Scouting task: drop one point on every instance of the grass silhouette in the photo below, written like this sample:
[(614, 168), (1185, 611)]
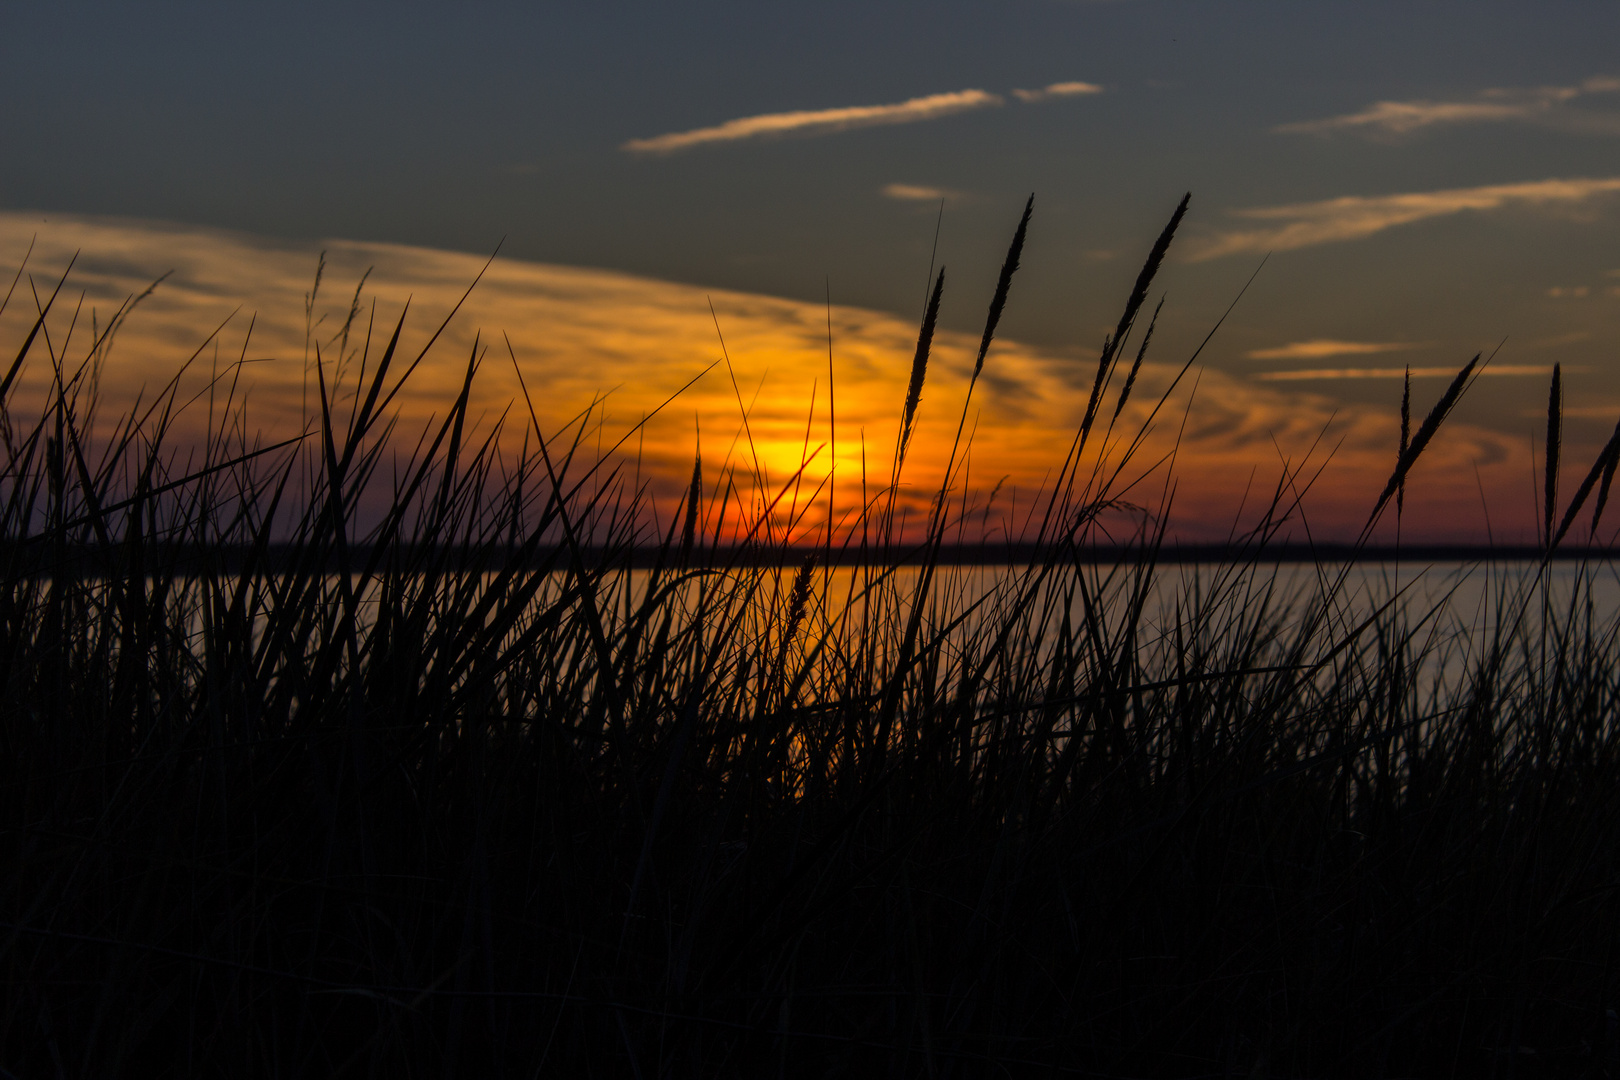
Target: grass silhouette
[(454, 788)]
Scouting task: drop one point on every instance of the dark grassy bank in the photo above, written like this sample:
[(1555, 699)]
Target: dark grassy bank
[(287, 790)]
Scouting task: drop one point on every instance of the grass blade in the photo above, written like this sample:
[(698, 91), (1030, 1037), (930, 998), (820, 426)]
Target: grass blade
[(1406, 437), (1003, 284), (1555, 430), (1127, 318), (919, 362), (1602, 467), (1136, 365)]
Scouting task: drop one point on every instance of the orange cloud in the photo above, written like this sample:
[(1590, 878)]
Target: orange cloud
[(617, 348)]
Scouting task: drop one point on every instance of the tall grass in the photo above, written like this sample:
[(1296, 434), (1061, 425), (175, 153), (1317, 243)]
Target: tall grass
[(453, 789)]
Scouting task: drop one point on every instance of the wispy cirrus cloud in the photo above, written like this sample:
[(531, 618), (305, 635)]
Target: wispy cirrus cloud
[(1313, 374), (1057, 89), (829, 121), (819, 121), (1503, 104), (1352, 217), (1322, 348)]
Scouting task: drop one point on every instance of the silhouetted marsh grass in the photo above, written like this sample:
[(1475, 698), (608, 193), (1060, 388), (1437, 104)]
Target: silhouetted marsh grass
[(457, 791)]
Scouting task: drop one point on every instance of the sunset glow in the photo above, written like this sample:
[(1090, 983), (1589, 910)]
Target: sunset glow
[(607, 351)]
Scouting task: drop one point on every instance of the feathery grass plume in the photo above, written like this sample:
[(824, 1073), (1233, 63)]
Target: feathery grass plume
[(919, 362), (693, 497), (1425, 432), (1133, 304), (1602, 467), (1003, 283), (799, 597), (937, 514), (1136, 365), (997, 303), (1150, 268), (1406, 437), (1555, 433), (1097, 385)]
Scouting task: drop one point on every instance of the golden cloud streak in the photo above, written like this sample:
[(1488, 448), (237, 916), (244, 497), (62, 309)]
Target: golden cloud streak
[(1056, 90), (1322, 348), (818, 121), (919, 193)]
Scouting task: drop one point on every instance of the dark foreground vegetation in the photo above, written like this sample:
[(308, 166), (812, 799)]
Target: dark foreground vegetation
[(445, 788)]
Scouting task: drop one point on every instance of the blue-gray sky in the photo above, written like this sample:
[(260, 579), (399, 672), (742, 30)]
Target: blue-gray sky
[(1394, 157)]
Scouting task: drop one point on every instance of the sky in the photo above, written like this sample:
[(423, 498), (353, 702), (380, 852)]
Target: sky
[(1422, 181)]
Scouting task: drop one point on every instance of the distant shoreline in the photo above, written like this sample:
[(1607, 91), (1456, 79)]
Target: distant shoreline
[(38, 558)]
